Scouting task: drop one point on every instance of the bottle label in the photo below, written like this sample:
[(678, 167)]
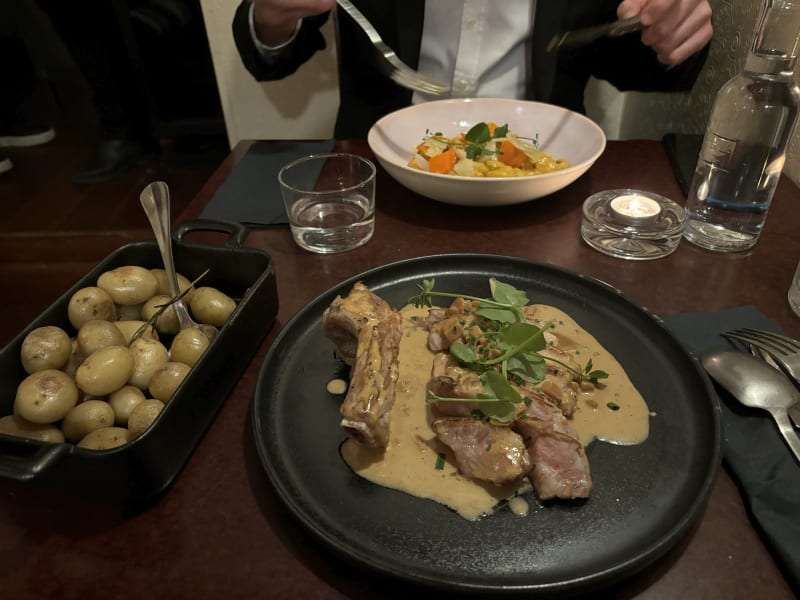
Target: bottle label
[(718, 149)]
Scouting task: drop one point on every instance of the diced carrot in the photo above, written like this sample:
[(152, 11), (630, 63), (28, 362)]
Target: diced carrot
[(511, 155), (443, 162), (492, 126)]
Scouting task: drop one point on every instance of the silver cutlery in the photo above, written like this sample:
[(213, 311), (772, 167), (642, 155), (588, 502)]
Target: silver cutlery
[(784, 350), (794, 409), (155, 201), (755, 384), (586, 35), (397, 70), (781, 351)]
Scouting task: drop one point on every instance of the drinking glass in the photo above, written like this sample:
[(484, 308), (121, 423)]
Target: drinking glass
[(330, 201)]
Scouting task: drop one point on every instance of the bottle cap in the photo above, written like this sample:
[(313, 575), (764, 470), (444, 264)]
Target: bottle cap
[(632, 224)]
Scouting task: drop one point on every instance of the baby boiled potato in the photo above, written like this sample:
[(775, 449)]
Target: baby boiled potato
[(167, 321), (130, 284), (46, 347), (129, 312), (96, 334), (123, 401), (90, 303), (211, 306), (143, 416), (45, 396), (163, 284), (105, 438), (166, 380), (86, 417), (19, 427), (148, 357), (130, 328), (76, 357), (105, 371), (188, 346)]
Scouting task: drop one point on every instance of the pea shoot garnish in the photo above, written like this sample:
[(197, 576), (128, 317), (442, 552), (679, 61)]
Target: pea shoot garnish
[(506, 350)]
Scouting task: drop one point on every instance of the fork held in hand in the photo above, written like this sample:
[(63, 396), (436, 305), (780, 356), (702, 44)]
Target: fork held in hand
[(398, 71)]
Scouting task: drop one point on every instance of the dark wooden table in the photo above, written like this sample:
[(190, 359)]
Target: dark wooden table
[(221, 532)]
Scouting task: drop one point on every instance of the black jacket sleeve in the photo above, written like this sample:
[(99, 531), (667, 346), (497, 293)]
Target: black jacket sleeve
[(308, 40)]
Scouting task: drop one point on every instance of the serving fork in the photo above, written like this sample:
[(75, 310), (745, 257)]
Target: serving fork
[(398, 71), (779, 350)]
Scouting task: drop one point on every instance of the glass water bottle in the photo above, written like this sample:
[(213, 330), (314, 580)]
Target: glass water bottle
[(744, 147)]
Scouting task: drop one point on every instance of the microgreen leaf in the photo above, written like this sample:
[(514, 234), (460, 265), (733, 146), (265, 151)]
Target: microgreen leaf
[(478, 134), (596, 375), (473, 151), (497, 410), (528, 367), (501, 132), (499, 386), (463, 353), (506, 293), (504, 314)]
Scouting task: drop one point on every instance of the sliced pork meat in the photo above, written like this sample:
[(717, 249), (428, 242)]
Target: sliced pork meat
[(366, 410), (491, 453), (543, 408), (448, 380), (345, 317), (558, 382), (560, 465), (447, 326)]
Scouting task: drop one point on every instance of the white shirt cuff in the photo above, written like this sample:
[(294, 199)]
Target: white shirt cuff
[(265, 51)]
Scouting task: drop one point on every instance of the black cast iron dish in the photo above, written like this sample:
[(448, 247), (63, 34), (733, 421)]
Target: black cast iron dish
[(645, 496), (138, 471)]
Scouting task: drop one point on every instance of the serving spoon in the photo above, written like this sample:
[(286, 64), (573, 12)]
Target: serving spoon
[(155, 201), (754, 383)]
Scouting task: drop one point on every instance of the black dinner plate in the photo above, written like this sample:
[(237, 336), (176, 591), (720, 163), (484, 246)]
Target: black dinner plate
[(645, 496)]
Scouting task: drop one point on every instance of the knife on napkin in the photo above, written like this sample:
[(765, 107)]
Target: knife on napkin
[(586, 35)]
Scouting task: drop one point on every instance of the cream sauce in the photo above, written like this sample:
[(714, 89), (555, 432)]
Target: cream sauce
[(336, 386), (409, 463), (595, 419)]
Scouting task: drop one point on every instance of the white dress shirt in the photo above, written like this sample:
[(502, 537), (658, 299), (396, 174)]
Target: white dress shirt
[(478, 46)]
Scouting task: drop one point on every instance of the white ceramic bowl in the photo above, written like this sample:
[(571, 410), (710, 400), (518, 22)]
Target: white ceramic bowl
[(561, 132)]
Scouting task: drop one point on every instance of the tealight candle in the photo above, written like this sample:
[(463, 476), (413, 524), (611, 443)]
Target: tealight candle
[(632, 224), (634, 209)]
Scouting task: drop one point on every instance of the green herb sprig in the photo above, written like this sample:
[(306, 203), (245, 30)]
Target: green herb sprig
[(161, 308), (517, 343), (477, 138)]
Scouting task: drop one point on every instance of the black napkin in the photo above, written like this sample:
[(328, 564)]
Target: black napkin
[(754, 451), (251, 194)]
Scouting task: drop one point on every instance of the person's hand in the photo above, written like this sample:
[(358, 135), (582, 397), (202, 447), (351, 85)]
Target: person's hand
[(276, 20), (675, 29)]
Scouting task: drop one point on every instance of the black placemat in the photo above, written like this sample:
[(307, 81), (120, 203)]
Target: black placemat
[(251, 195), (754, 451)]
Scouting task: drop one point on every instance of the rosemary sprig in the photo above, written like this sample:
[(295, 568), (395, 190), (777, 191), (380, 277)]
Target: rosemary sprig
[(161, 308)]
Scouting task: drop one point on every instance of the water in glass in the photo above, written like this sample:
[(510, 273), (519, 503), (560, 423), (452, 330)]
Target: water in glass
[(332, 224)]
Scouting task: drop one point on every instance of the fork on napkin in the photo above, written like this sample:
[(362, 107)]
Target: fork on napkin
[(777, 350), (754, 452)]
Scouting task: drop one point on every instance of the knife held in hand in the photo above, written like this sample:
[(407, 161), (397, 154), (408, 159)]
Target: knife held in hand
[(586, 35)]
